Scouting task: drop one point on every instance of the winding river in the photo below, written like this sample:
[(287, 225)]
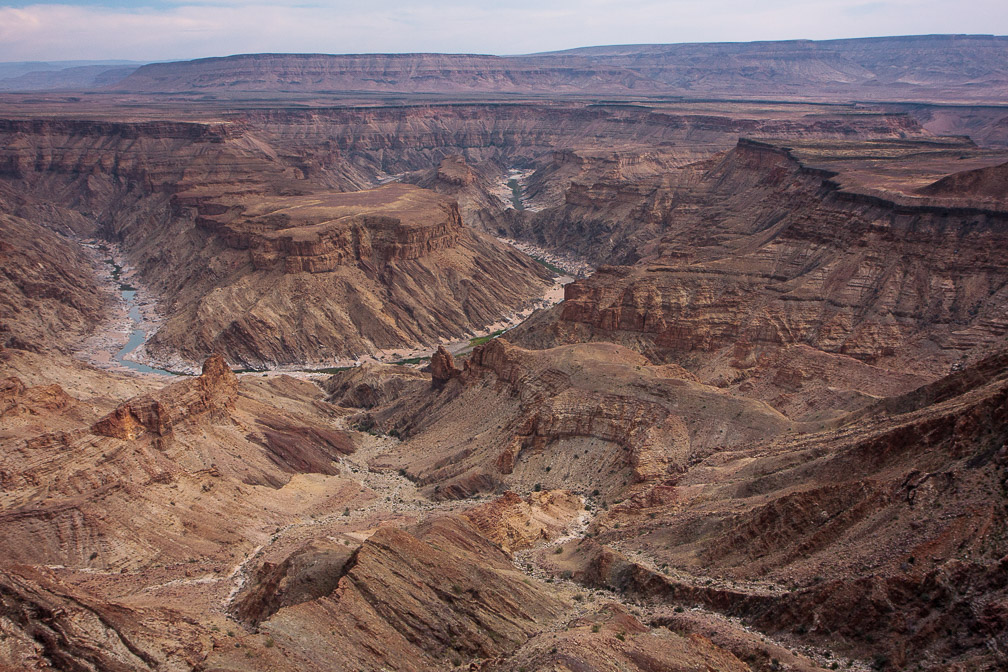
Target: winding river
[(138, 336)]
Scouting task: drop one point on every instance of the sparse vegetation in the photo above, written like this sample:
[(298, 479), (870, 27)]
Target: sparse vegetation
[(480, 340)]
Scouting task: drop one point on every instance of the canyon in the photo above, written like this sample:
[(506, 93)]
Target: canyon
[(766, 428)]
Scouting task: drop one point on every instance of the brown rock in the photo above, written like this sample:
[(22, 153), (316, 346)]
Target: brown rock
[(442, 367), (212, 392), (435, 594)]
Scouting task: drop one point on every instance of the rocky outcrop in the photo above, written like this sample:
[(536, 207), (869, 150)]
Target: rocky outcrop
[(299, 448), (442, 368), (16, 399), (514, 523), (371, 385), (310, 573), (587, 417), (212, 393)]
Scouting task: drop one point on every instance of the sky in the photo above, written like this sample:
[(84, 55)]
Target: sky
[(151, 30)]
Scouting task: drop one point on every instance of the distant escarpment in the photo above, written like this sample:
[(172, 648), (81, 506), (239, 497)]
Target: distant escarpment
[(885, 68)]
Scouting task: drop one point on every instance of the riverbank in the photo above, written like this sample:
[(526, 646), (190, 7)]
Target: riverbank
[(418, 356), (511, 190), (558, 263), (117, 344)]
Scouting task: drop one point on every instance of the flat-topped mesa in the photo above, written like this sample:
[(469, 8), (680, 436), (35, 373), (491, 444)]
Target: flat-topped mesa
[(454, 170), (319, 232)]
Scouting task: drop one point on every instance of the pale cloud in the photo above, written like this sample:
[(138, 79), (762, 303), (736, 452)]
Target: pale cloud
[(198, 28)]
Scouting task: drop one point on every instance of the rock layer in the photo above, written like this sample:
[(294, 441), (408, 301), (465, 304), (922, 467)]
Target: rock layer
[(885, 68), (844, 273)]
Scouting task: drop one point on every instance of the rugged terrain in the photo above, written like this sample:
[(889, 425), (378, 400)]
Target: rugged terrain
[(766, 430), (775, 271)]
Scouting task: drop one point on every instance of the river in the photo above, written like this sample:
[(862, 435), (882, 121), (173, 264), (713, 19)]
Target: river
[(138, 336), (136, 325)]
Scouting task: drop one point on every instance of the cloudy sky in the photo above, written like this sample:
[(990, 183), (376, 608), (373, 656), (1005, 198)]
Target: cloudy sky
[(176, 29)]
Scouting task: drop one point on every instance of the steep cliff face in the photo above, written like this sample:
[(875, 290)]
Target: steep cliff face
[(239, 244), (50, 296), (331, 142), (346, 310), (92, 161), (319, 233), (212, 394), (754, 253)]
